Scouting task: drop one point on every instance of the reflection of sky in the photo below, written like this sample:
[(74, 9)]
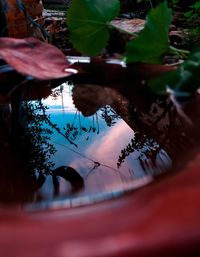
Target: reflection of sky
[(103, 147), (110, 143), (63, 101)]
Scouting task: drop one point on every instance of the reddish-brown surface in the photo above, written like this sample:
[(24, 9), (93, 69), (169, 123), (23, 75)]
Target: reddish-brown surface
[(162, 219), (19, 26)]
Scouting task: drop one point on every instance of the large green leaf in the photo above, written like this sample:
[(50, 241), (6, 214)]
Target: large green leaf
[(185, 79), (88, 23), (153, 41)]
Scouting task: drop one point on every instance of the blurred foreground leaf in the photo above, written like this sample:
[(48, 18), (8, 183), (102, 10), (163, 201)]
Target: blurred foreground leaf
[(152, 42), (185, 79), (32, 57), (88, 22)]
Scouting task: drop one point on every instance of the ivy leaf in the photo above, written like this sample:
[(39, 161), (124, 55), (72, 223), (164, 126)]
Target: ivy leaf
[(185, 79), (153, 41), (88, 22)]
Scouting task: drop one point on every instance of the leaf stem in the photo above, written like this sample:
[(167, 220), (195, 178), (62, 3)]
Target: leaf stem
[(151, 4), (180, 52)]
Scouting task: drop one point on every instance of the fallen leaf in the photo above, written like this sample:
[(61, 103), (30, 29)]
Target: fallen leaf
[(133, 26), (34, 58)]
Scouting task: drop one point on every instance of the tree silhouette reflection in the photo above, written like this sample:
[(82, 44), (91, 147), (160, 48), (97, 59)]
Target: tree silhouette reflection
[(37, 137), (146, 147), (109, 115), (160, 131), (30, 151)]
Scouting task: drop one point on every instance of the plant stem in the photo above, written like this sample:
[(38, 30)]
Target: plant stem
[(181, 52), (151, 4)]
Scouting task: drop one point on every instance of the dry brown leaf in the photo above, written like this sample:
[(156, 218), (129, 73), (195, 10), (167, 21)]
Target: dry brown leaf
[(133, 26), (35, 58)]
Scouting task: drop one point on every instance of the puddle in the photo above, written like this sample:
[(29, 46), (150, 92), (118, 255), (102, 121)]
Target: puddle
[(84, 144)]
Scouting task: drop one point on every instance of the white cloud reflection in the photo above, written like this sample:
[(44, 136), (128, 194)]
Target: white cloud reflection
[(64, 100), (111, 143)]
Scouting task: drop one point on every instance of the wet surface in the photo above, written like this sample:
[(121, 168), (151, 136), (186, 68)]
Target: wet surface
[(84, 143)]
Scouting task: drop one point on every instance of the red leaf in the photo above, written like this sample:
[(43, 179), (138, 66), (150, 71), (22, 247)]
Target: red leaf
[(35, 58)]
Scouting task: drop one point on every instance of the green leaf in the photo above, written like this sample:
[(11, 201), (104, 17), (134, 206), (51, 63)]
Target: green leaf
[(88, 22), (161, 83), (153, 41), (185, 79)]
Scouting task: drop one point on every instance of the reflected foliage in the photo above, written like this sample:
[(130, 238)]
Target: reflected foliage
[(29, 147), (39, 131), (38, 136), (146, 147), (109, 115), (26, 156), (159, 123), (77, 127)]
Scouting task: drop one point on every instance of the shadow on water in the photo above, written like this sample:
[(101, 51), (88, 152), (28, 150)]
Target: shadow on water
[(78, 144)]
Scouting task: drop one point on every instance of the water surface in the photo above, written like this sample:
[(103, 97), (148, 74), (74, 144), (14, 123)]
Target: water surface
[(86, 143)]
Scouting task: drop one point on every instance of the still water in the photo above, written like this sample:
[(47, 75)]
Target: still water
[(84, 144)]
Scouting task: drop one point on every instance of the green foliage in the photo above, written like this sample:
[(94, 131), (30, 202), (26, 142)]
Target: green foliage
[(152, 3), (185, 79), (194, 12), (153, 42), (192, 38), (88, 23), (149, 1), (174, 4), (89, 20)]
